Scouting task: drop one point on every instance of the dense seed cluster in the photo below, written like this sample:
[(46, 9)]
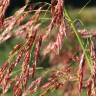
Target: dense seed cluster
[(26, 54)]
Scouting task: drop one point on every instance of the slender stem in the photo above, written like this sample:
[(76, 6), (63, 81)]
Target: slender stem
[(79, 39)]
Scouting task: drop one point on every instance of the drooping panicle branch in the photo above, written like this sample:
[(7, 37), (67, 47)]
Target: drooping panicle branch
[(3, 6)]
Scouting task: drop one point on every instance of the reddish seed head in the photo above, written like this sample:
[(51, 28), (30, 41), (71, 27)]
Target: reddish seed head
[(81, 72), (89, 87)]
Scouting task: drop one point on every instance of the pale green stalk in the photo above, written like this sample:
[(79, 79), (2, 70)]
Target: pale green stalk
[(88, 59)]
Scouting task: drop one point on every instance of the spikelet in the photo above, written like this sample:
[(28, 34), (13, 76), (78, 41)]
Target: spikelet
[(53, 83), (56, 18), (25, 74), (56, 46), (25, 68), (16, 48), (3, 67), (17, 89), (32, 35), (6, 34), (33, 87), (89, 87), (36, 54), (16, 19), (93, 74), (6, 80), (6, 22), (3, 70), (3, 6), (53, 5), (81, 72)]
